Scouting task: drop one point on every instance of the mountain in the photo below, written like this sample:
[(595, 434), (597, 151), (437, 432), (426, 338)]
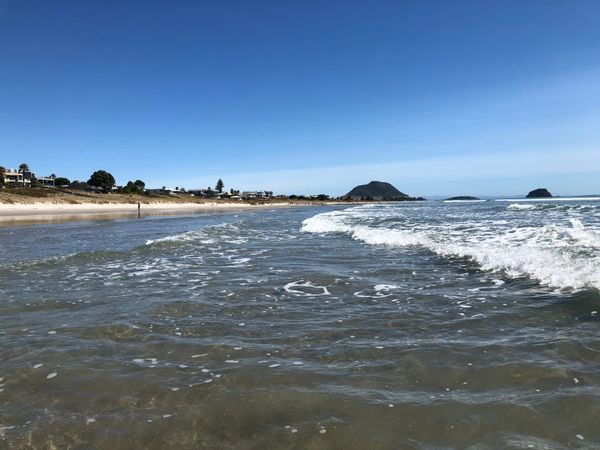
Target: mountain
[(379, 191), (539, 193)]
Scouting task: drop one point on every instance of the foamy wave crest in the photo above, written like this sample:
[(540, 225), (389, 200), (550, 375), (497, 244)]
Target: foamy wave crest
[(546, 206), (306, 288), (556, 199), (564, 256), (203, 235), (522, 207), (62, 259)]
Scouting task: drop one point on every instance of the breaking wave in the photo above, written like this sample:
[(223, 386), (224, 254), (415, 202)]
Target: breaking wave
[(523, 207), (229, 232), (546, 206), (71, 258), (564, 256), (203, 235)]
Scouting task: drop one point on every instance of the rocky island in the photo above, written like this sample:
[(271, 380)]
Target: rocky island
[(539, 193), (378, 191), (461, 198)]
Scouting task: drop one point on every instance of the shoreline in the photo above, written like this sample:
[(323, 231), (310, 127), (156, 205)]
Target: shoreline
[(29, 213)]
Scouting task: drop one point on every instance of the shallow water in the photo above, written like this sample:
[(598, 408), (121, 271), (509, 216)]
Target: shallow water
[(422, 325)]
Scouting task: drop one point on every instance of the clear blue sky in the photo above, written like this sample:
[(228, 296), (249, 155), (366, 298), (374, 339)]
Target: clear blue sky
[(437, 97)]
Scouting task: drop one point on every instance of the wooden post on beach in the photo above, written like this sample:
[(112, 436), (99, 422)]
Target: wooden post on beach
[(139, 210)]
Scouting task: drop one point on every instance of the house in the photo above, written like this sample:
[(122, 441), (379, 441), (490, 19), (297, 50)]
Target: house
[(205, 193), (47, 182), (256, 194), (14, 178), (248, 195), (163, 190), (202, 193)]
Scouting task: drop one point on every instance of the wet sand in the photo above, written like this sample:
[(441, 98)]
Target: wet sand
[(14, 214)]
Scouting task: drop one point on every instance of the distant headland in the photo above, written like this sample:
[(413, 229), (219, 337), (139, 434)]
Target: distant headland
[(378, 191)]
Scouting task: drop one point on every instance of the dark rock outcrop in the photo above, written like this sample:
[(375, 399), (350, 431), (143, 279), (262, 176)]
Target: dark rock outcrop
[(378, 191), (539, 193), (462, 197)]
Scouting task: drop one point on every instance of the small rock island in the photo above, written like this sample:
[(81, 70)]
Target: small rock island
[(378, 191), (461, 198), (539, 193)]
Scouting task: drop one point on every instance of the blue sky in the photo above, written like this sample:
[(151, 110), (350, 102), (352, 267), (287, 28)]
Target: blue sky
[(437, 97)]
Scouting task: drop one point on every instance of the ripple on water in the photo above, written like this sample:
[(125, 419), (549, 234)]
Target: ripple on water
[(255, 334)]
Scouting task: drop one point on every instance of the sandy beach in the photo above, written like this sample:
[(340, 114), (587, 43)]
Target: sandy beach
[(59, 205), (58, 212)]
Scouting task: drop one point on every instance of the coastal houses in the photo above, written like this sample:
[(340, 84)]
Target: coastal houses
[(103, 182), (251, 195), (14, 178), (47, 182), (18, 178), (211, 193)]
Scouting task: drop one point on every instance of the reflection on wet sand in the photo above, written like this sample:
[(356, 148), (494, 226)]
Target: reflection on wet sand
[(7, 219)]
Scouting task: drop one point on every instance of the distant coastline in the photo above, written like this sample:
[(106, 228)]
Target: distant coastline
[(60, 205)]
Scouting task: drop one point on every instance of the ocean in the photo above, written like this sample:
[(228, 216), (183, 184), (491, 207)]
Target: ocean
[(417, 325)]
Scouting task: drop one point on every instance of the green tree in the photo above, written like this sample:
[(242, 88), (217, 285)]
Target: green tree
[(61, 181), (24, 167), (103, 180), (2, 172), (219, 187), (133, 187), (35, 183), (80, 185), (129, 188)]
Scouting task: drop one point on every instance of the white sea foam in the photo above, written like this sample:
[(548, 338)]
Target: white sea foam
[(202, 235), (539, 206), (385, 287), (557, 199), (306, 288), (520, 207), (466, 201), (378, 291), (564, 255)]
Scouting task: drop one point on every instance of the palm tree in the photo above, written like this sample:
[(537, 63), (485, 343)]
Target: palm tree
[(2, 172), (24, 168)]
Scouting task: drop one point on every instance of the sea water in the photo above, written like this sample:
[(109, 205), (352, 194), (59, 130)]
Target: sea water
[(391, 326)]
